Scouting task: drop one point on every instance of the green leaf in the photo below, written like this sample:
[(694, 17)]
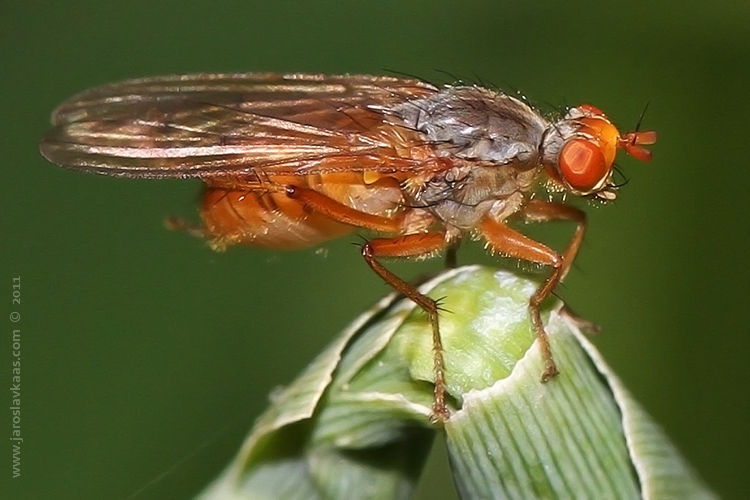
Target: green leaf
[(356, 423)]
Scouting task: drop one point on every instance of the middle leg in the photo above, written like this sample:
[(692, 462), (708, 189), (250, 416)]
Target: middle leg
[(409, 245), (413, 245)]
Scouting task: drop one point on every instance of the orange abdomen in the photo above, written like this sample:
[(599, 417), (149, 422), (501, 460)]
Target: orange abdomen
[(261, 214)]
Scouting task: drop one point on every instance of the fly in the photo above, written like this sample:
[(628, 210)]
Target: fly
[(291, 161)]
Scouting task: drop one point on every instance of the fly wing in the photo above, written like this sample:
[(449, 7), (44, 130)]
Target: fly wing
[(218, 125)]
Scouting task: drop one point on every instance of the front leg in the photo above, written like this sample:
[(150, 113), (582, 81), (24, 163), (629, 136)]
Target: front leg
[(546, 211), (507, 241)]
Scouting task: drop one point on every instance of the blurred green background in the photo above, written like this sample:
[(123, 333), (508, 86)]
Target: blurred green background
[(146, 356)]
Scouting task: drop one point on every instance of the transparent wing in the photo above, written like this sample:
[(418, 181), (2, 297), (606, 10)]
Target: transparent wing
[(218, 125)]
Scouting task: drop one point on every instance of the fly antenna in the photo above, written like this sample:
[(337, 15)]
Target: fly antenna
[(632, 142)]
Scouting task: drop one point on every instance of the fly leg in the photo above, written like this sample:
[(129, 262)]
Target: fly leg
[(545, 211), (329, 207), (410, 245), (413, 245), (507, 241)]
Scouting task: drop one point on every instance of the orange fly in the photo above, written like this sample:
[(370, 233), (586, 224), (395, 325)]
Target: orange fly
[(290, 161)]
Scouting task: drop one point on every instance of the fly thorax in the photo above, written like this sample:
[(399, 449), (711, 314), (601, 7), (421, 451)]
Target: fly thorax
[(476, 124), (454, 214), (502, 209), (462, 196)]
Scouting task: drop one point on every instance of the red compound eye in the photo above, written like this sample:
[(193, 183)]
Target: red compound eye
[(582, 165)]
